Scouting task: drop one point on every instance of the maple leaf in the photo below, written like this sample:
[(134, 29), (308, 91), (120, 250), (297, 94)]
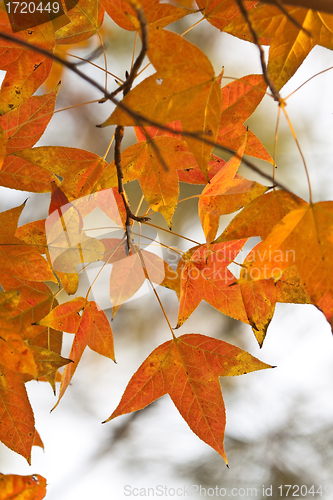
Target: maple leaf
[(17, 427), (260, 297), (92, 329), (15, 487), (194, 100), (26, 123), (155, 13), (220, 13), (16, 257), (35, 302), (204, 276), (158, 181), (86, 17), (239, 100), (302, 238), (188, 369), (190, 175), (289, 44), (226, 193), (260, 216), (25, 70), (79, 169), (17, 173)]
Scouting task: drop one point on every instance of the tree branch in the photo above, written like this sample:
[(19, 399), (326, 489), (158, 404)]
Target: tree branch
[(138, 117)]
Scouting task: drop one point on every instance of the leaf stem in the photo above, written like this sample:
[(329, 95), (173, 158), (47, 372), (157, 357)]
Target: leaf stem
[(300, 152)]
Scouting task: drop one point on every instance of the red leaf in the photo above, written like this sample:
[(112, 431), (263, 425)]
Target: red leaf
[(188, 369)]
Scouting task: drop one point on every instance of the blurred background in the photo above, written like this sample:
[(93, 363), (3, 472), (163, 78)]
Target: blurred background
[(279, 422)]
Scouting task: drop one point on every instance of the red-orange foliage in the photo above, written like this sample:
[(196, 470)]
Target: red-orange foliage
[(179, 112)]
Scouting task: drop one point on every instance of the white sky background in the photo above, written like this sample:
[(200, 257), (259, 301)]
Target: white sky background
[(299, 340)]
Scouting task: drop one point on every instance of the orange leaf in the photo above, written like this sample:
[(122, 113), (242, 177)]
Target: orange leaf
[(14, 487), (158, 181), (65, 316), (204, 276), (302, 238), (26, 69), (79, 169), (17, 427), (226, 193), (289, 45), (260, 297), (86, 17), (17, 258), (260, 216), (188, 369), (25, 125), (194, 100), (157, 14), (47, 361), (221, 12), (239, 100), (17, 173), (92, 329)]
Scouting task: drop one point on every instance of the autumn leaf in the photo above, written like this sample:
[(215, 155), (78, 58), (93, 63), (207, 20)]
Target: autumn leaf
[(15, 487), (195, 101), (155, 165), (188, 369), (204, 275), (17, 421), (79, 169), (302, 238), (289, 44), (25, 70), (156, 13), (91, 328), (260, 297), (35, 302), (226, 193), (17, 173), (86, 17), (260, 216), (16, 257), (239, 100), (25, 125), (47, 361), (220, 13)]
